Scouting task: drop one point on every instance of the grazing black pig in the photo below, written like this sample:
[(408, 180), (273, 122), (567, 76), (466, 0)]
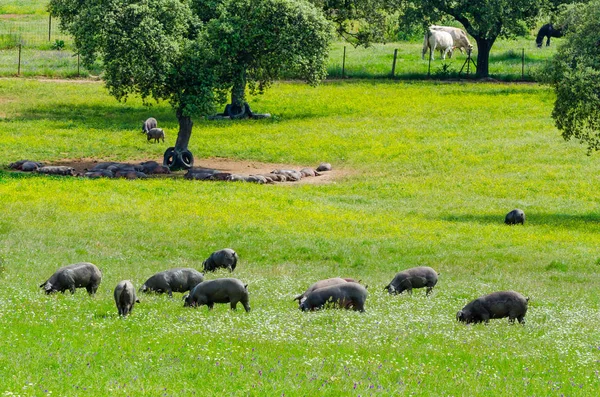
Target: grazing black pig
[(416, 277), (226, 258), (515, 217), (220, 290), (501, 304), (125, 297), (180, 279), (321, 284), (149, 124), (80, 275), (345, 295), (156, 134)]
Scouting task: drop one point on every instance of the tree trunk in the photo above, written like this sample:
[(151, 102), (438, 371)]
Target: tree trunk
[(484, 45), (185, 132), (179, 157), (238, 92)]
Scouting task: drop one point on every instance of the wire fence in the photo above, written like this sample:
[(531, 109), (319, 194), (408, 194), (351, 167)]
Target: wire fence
[(35, 46), (31, 32)]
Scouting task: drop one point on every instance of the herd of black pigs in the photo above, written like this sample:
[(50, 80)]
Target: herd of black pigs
[(346, 293)]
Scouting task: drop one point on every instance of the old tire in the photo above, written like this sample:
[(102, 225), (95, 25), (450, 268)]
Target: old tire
[(176, 160)]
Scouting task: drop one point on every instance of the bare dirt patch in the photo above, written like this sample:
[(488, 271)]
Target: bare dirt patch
[(240, 167)]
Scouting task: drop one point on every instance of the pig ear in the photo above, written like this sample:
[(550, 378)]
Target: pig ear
[(137, 301), (459, 315), (185, 296), (246, 287)]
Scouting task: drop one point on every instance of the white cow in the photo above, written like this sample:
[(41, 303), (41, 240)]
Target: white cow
[(461, 40), (440, 40)]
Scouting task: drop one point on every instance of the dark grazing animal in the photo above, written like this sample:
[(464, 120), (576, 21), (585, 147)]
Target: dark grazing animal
[(156, 134), (547, 31), (416, 277), (80, 275), (220, 290), (149, 124), (179, 279), (321, 284), (347, 295), (501, 304), (225, 258), (515, 217), (125, 297)]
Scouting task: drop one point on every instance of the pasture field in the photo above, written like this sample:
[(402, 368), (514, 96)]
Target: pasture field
[(426, 173)]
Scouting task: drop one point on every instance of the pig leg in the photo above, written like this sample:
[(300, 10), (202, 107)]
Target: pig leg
[(485, 317), (72, 288), (233, 305), (405, 285), (170, 292), (521, 319), (210, 305), (428, 291)]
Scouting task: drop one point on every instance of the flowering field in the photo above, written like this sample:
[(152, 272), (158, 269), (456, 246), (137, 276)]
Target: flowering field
[(425, 174)]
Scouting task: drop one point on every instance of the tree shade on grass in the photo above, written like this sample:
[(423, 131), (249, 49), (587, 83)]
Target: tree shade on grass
[(194, 53)]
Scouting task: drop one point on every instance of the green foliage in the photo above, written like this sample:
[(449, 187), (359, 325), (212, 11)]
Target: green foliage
[(574, 72), (254, 41), (58, 45), (190, 52)]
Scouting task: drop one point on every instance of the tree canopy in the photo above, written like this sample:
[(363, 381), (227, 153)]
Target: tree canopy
[(193, 53), (574, 72), (484, 20)]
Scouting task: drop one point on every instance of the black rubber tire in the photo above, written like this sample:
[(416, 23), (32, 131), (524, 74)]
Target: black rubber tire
[(178, 160), (169, 157), (187, 159)]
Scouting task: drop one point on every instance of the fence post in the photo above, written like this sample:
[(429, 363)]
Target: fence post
[(344, 63), (77, 64), (49, 26), (523, 64), (19, 67), (394, 63)]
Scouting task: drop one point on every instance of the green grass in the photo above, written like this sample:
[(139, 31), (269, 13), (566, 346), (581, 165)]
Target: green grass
[(24, 7), (431, 170), (377, 60)]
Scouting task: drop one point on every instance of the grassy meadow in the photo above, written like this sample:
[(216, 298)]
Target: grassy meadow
[(426, 172)]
